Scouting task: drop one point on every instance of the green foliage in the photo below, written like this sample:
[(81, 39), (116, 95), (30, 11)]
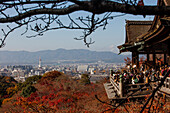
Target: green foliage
[(29, 81), (27, 87), (19, 86), (12, 90), (85, 79), (28, 90)]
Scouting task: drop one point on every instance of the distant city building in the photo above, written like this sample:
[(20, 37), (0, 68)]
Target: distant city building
[(21, 72), (5, 72), (39, 63), (18, 75), (91, 70), (82, 68)]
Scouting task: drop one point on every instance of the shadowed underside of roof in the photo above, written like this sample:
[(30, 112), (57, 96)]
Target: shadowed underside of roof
[(142, 34)]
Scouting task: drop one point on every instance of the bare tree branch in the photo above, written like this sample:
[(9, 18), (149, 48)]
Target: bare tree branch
[(43, 14), (155, 90)]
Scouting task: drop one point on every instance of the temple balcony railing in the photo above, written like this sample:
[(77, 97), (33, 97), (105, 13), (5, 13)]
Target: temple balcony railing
[(122, 90), (165, 89)]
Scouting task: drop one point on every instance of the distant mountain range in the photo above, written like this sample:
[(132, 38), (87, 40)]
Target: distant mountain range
[(59, 56)]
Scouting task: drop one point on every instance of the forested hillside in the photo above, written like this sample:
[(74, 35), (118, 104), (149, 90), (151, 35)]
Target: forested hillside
[(56, 92), (7, 84)]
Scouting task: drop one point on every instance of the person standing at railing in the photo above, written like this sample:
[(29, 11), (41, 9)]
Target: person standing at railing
[(117, 78), (127, 79), (154, 77), (134, 80), (146, 77), (158, 74), (167, 69), (140, 78), (120, 77), (162, 70)]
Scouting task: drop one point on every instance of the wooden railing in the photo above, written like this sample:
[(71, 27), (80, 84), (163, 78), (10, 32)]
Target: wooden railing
[(123, 89), (166, 87), (116, 86)]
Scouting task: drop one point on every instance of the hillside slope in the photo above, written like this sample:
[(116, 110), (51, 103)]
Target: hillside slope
[(58, 93)]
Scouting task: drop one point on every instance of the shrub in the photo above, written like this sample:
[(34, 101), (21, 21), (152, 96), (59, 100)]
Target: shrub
[(12, 90), (5, 83), (19, 86), (28, 90), (52, 75), (30, 80), (6, 100), (85, 79)]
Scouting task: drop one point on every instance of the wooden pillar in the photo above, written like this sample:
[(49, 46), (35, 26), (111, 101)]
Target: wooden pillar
[(147, 57), (111, 74), (165, 57), (168, 57), (135, 59), (154, 60), (121, 86)]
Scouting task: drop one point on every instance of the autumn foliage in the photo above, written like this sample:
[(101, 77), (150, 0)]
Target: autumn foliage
[(7, 87), (127, 61), (56, 92)]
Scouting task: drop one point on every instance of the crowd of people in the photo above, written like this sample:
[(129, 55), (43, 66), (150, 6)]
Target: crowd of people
[(132, 76)]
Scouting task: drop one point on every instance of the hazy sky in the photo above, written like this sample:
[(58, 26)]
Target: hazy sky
[(105, 40)]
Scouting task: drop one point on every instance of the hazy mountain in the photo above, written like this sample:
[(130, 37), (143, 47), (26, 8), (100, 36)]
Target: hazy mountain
[(62, 55)]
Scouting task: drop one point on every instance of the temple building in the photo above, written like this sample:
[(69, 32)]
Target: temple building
[(151, 38)]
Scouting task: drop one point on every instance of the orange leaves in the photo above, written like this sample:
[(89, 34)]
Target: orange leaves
[(140, 3), (79, 98), (52, 74), (62, 100), (127, 61), (6, 100), (11, 90), (62, 95)]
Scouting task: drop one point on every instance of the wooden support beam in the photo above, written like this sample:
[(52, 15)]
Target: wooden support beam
[(147, 57), (151, 52), (135, 59), (121, 86), (168, 57), (165, 57), (168, 60), (154, 60)]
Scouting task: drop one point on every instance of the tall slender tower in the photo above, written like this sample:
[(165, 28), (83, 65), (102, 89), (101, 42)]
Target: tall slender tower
[(39, 63)]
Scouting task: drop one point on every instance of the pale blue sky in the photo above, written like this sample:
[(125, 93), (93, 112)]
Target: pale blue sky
[(106, 40)]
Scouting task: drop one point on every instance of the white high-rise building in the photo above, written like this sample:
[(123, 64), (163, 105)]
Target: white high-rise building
[(82, 68), (39, 63)]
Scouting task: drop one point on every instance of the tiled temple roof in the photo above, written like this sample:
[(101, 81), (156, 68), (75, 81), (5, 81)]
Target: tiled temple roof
[(150, 32)]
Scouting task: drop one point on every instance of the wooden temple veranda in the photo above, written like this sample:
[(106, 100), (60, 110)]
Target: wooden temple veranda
[(150, 38)]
